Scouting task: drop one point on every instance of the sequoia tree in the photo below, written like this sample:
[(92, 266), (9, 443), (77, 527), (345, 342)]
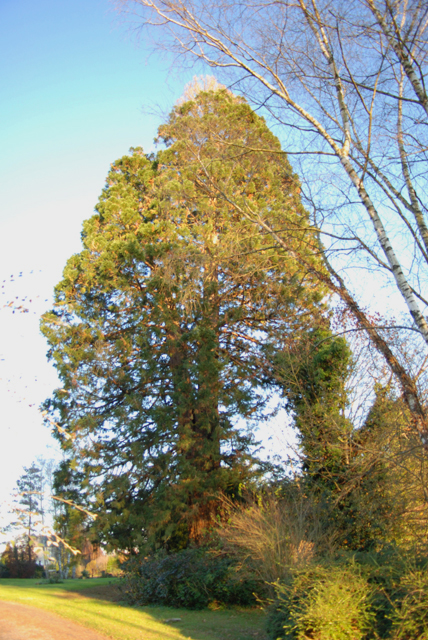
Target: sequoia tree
[(160, 322)]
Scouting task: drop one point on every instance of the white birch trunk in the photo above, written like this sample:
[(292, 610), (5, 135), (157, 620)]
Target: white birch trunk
[(394, 263), (402, 55)]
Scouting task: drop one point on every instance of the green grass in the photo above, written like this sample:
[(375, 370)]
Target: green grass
[(79, 601)]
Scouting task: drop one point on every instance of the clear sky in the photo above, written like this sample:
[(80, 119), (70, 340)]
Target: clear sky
[(76, 90)]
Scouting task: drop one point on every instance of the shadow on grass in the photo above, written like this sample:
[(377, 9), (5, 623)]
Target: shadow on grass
[(226, 624), (98, 603), (109, 592)]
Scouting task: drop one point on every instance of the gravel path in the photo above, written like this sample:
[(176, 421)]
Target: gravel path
[(19, 622)]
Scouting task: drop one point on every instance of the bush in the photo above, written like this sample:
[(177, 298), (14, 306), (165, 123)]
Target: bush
[(274, 534), (410, 614), (384, 570), (113, 567), (39, 571), (16, 562), (192, 579), (4, 571), (324, 602), (399, 599)]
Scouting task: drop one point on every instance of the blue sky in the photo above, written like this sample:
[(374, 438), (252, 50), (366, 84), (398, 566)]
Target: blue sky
[(75, 89)]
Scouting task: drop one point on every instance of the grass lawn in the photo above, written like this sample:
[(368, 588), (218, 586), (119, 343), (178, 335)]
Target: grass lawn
[(95, 603)]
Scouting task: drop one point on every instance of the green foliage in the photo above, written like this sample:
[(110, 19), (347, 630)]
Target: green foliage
[(322, 602), (378, 493), (56, 579), (193, 579), (410, 614), (69, 522), (4, 571), (113, 567), (390, 459), (399, 592), (29, 511), (17, 562), (380, 595), (369, 479), (30, 486), (312, 374), (160, 322)]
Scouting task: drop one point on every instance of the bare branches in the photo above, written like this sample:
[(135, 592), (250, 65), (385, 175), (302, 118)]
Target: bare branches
[(308, 63), (397, 38), (345, 82)]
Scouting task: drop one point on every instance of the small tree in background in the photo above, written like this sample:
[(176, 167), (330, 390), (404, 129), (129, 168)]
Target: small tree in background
[(16, 561), (30, 505), (28, 520)]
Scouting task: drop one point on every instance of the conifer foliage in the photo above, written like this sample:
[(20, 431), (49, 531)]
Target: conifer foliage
[(160, 323), (30, 507)]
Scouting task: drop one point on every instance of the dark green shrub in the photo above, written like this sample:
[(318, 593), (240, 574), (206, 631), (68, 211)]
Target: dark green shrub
[(192, 578), (4, 571), (39, 571), (15, 559), (322, 602)]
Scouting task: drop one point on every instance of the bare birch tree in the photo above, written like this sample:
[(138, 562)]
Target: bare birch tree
[(345, 80)]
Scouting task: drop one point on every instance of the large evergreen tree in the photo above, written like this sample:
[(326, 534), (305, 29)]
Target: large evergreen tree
[(159, 324)]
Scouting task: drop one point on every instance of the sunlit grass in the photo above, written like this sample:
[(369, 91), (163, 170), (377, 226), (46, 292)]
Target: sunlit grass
[(123, 622)]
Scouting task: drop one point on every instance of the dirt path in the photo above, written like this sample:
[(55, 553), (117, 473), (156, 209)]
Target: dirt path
[(19, 622)]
